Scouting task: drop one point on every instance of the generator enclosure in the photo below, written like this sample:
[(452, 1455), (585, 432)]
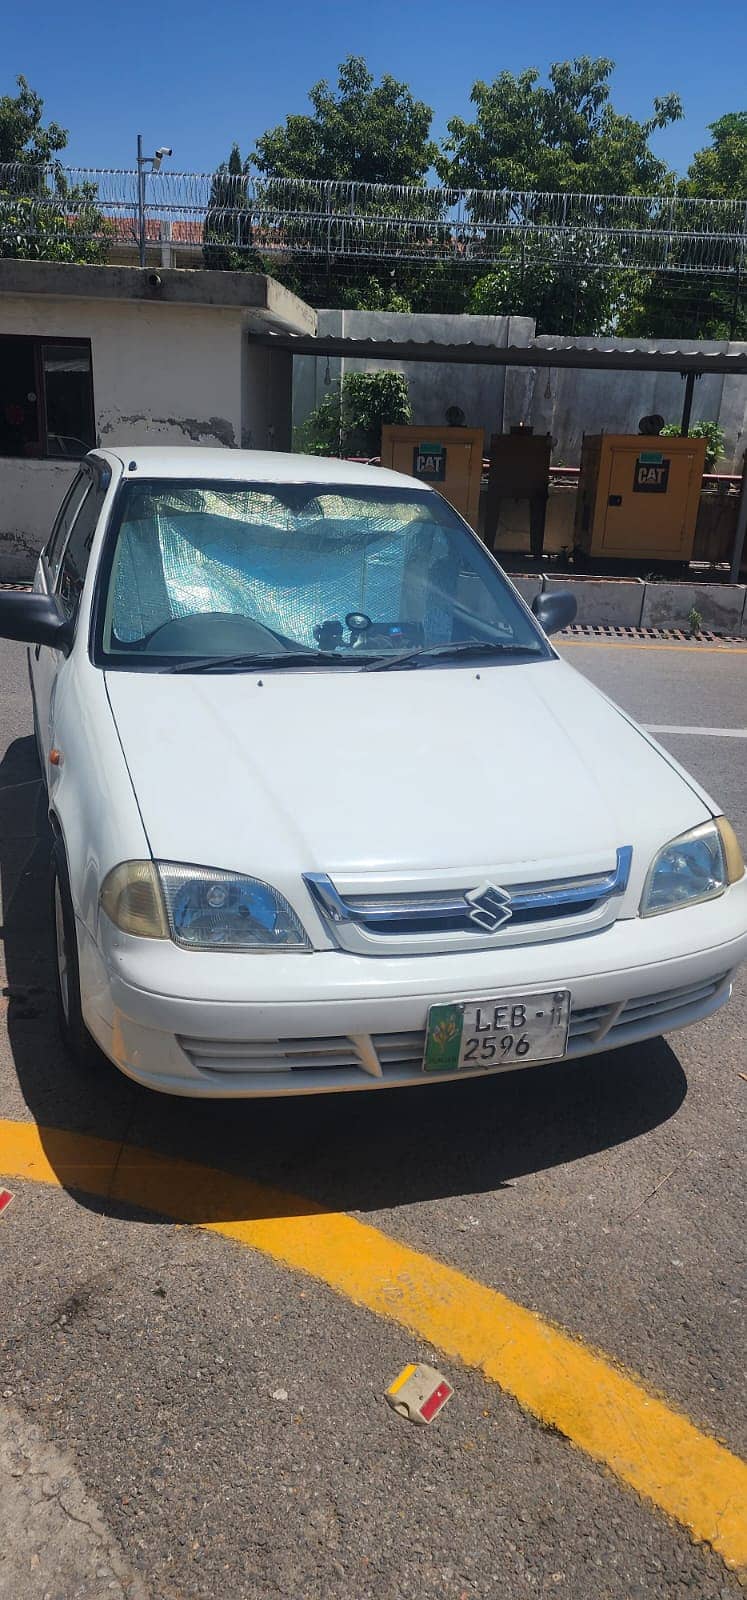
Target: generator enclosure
[(450, 459), (638, 496)]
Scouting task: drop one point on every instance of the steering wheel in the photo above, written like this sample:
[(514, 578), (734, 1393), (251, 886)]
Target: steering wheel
[(213, 633)]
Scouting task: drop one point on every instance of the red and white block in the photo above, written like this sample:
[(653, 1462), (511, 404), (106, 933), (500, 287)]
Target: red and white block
[(419, 1393)]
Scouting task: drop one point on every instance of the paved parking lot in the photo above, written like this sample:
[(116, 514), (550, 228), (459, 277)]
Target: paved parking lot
[(198, 1411)]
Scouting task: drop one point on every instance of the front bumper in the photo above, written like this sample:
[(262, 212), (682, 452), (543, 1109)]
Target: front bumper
[(329, 1021)]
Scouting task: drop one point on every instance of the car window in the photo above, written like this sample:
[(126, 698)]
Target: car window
[(77, 551), (64, 521), (221, 568)]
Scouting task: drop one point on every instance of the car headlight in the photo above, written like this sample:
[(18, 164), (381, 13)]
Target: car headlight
[(699, 865), (200, 908)]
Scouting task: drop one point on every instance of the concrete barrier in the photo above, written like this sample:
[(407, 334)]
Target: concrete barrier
[(605, 602), (720, 605)]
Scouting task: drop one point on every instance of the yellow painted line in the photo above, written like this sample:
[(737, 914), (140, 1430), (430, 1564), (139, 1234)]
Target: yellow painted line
[(601, 1409), (634, 644)]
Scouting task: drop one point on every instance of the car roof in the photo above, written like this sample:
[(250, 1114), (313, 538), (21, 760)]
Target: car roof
[(251, 466)]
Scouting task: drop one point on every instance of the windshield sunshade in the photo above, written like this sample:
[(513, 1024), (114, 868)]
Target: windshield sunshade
[(203, 570)]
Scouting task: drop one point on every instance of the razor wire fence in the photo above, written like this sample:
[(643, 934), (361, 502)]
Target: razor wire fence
[(43, 207)]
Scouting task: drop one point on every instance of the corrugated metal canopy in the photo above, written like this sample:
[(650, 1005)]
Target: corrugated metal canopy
[(600, 358)]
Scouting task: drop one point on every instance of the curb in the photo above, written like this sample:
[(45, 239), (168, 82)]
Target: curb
[(649, 606)]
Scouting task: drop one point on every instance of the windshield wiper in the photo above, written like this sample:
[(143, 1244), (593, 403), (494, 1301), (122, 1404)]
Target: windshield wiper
[(465, 647), (261, 662)]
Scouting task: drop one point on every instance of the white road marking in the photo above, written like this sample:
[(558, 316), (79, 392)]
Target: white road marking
[(705, 733)]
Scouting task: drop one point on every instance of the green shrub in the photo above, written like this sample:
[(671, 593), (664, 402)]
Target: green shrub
[(349, 422), (710, 431)]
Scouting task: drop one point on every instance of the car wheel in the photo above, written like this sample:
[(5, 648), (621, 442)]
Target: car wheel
[(74, 1032)]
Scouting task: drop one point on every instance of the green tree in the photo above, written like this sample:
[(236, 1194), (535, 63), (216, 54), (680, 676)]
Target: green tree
[(23, 138), (362, 131), (348, 421), (228, 237), (560, 137), (700, 305), (719, 171), (563, 137), (42, 216)]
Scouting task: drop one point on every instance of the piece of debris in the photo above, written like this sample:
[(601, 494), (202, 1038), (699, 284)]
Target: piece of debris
[(280, 1394), (5, 1199), (419, 1393), (742, 1075)]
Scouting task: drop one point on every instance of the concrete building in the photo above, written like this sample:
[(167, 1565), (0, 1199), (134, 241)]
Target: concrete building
[(114, 355)]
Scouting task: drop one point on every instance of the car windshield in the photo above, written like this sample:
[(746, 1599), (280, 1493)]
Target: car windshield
[(229, 575)]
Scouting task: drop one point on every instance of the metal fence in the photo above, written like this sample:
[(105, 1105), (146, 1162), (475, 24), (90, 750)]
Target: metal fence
[(282, 217)]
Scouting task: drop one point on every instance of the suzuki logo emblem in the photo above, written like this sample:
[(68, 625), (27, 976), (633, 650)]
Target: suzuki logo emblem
[(489, 907)]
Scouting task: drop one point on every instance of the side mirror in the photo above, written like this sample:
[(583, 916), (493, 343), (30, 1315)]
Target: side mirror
[(34, 619), (555, 609)]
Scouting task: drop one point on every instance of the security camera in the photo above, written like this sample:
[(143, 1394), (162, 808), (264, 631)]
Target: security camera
[(164, 150)]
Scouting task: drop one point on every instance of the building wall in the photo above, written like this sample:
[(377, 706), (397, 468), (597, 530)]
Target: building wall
[(162, 374)]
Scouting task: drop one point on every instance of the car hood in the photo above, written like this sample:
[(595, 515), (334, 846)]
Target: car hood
[(525, 771)]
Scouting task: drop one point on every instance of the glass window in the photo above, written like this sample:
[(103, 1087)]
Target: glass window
[(68, 395), (65, 518), (78, 551), (336, 572), (19, 400), (46, 398)]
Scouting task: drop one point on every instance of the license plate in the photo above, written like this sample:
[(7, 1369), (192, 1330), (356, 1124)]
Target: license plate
[(512, 1030)]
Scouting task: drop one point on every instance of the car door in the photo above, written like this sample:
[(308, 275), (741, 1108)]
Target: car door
[(43, 661), (62, 573)]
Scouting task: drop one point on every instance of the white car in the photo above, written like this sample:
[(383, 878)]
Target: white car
[(329, 811)]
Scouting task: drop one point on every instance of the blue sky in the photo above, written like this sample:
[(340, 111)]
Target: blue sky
[(197, 76)]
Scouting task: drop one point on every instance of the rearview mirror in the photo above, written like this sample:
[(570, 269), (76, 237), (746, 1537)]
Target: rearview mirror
[(34, 619), (555, 609)]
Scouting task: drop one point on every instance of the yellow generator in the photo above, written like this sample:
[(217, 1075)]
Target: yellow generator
[(638, 496), (450, 460)]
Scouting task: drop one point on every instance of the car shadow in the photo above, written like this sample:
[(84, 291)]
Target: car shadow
[(362, 1152)]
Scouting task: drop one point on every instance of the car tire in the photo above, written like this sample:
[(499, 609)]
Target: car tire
[(75, 1036)]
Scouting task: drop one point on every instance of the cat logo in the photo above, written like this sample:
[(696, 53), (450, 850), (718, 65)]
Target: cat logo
[(651, 475), (429, 463)]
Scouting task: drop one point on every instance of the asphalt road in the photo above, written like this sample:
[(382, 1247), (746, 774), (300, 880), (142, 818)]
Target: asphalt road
[(146, 1448)]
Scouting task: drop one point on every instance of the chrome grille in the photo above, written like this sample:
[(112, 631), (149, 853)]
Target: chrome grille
[(392, 922)]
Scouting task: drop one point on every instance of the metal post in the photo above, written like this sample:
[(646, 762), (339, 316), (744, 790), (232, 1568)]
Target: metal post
[(689, 378), (140, 200), (741, 528)]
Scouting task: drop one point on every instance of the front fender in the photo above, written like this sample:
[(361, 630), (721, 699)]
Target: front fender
[(91, 799)]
